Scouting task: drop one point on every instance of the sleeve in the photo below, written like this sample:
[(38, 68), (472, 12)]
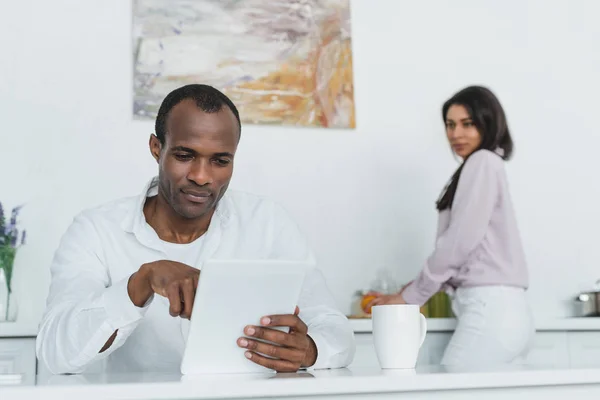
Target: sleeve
[(475, 199), (327, 326), (83, 308)]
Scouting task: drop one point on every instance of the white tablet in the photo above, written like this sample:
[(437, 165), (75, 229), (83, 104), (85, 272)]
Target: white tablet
[(231, 295)]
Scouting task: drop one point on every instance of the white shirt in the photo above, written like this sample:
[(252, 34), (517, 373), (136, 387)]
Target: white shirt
[(185, 253), (103, 247)]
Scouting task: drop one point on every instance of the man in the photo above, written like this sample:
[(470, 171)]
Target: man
[(125, 273)]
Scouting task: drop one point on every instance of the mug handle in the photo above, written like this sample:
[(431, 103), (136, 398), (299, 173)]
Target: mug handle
[(423, 329)]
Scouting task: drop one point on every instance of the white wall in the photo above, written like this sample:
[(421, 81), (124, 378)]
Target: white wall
[(365, 197)]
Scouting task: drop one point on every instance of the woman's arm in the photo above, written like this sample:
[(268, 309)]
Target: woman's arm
[(476, 196)]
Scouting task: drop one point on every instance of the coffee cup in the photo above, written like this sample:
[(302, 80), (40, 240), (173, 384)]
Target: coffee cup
[(399, 331)]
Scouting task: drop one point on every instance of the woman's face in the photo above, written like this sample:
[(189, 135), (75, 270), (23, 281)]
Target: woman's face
[(462, 134)]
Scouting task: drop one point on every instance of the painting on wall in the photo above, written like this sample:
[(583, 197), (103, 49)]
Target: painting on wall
[(282, 62)]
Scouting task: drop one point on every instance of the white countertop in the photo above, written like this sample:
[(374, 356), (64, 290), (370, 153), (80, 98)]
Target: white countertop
[(448, 324), (312, 383)]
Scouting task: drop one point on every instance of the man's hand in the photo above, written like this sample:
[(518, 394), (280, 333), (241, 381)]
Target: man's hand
[(170, 279), (291, 351)]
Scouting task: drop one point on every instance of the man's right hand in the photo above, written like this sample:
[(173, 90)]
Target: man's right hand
[(170, 279)]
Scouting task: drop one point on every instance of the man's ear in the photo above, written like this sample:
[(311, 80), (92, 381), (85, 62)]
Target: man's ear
[(155, 147)]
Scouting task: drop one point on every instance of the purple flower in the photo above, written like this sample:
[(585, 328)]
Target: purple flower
[(14, 215), (13, 237), (9, 234)]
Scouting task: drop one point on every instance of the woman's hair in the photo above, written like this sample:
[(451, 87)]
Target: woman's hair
[(488, 117)]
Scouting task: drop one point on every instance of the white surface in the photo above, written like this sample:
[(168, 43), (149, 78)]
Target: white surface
[(448, 324), (18, 329), (327, 382), (398, 333), (254, 289), (365, 197)]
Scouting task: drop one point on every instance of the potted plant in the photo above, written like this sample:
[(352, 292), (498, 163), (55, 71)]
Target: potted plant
[(10, 241)]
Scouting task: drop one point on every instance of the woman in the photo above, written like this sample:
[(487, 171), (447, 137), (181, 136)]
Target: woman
[(478, 256)]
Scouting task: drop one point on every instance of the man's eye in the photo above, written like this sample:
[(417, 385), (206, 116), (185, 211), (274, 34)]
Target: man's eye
[(183, 157), (222, 162)]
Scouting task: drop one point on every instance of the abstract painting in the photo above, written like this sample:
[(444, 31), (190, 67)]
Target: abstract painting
[(282, 62)]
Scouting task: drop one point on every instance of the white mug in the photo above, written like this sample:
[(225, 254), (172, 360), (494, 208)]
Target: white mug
[(398, 333)]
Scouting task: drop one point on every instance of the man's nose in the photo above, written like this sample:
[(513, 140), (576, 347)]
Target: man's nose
[(201, 172)]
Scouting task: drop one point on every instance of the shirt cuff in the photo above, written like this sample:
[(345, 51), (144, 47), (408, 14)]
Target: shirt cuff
[(322, 361), (411, 295), (119, 308)]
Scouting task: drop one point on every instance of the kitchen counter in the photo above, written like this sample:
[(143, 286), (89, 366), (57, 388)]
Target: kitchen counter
[(364, 325), (325, 384)]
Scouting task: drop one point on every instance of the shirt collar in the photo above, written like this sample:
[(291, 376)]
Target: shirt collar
[(136, 220)]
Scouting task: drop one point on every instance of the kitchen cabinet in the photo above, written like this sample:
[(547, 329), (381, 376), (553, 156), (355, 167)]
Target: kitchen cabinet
[(583, 348), (551, 349), (431, 352), (433, 348), (365, 356), (17, 356)]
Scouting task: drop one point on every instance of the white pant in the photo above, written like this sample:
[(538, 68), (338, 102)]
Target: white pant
[(495, 326)]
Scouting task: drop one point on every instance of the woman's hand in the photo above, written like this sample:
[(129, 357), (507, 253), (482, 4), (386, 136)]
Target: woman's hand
[(383, 299)]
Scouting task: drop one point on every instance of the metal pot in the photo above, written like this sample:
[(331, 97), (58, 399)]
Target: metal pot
[(589, 302)]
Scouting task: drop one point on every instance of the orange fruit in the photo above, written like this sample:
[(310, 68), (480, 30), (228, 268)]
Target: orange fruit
[(365, 301)]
